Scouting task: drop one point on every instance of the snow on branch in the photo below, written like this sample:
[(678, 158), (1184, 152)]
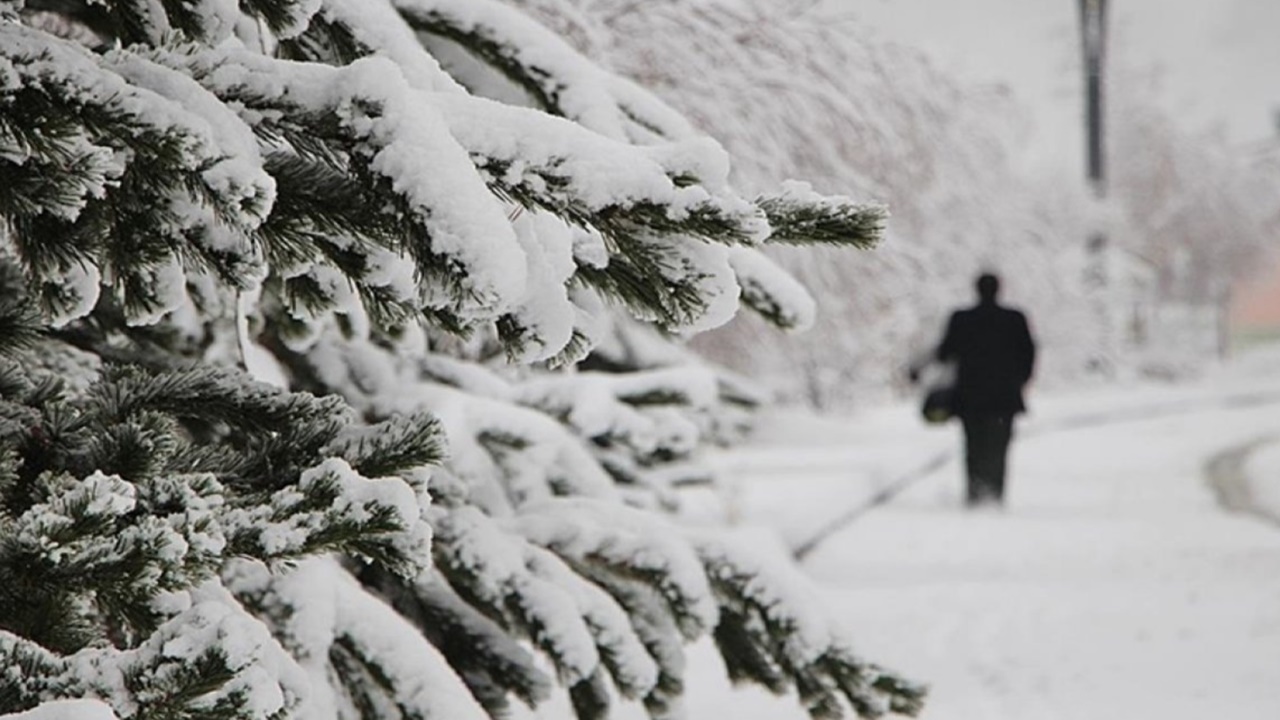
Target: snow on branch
[(210, 658), (772, 291), (526, 454), (285, 18), (463, 248), (376, 520), (558, 77), (491, 568), (800, 216), (567, 84), (122, 168), (355, 648), (621, 651), (636, 544), (578, 179), (544, 161), (344, 30), (772, 632), (644, 427), (125, 550), (66, 710), (492, 662)]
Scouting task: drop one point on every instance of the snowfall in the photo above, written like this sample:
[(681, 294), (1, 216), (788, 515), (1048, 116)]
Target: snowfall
[(1133, 574)]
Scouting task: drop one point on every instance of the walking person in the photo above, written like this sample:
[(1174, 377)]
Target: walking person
[(994, 356)]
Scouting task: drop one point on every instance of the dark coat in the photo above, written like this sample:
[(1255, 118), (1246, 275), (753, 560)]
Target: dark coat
[(994, 355)]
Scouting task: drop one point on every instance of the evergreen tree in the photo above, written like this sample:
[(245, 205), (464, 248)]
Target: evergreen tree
[(334, 383)]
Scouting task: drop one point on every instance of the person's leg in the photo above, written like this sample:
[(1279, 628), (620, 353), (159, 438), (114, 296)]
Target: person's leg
[(986, 465), (1000, 434), (986, 445), (982, 447), (973, 437)]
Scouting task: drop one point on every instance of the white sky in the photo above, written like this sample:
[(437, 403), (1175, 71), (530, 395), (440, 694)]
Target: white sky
[(1221, 58)]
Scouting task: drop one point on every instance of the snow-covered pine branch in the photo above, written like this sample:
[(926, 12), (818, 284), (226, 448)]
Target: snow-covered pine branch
[(799, 216), (559, 80), (554, 76), (117, 521), (120, 179), (770, 633)]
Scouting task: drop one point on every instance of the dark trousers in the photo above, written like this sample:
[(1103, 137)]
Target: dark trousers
[(986, 445)]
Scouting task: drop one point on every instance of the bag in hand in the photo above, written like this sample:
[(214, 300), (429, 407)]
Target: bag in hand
[(939, 404)]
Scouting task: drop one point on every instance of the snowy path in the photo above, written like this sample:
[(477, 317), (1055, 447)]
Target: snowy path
[(1114, 586)]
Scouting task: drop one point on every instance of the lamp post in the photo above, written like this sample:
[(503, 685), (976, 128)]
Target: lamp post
[(1093, 42)]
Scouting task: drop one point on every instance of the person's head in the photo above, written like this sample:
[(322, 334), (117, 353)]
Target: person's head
[(988, 286)]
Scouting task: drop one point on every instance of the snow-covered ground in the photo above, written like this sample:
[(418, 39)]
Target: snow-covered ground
[(1113, 585), (1262, 472)]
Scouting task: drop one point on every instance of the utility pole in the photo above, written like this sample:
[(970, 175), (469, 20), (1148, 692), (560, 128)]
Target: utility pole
[(1093, 38), (1093, 44)]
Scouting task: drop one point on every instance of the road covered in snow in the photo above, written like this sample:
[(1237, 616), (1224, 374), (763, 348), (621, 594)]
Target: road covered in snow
[(1114, 585)]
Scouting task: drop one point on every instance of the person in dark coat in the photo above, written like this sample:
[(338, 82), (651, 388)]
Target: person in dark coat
[(994, 356)]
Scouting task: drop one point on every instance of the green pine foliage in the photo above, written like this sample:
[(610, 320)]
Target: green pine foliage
[(332, 387)]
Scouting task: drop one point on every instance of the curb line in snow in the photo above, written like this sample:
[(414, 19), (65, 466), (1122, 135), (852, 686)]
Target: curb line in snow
[(1238, 401), (881, 496), (1226, 474)]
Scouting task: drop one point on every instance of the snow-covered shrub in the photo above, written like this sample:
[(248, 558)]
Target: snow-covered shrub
[(332, 383)]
